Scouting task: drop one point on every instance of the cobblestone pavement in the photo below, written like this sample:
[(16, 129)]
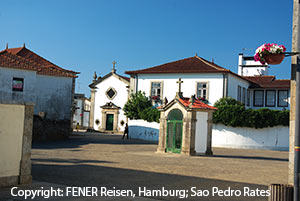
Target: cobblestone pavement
[(105, 160)]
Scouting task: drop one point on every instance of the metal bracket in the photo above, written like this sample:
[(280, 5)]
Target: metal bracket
[(288, 54)]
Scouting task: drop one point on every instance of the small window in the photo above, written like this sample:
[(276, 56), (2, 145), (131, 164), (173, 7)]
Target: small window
[(156, 90), (248, 97), (258, 99), (239, 93), (111, 93), (18, 84), (244, 95), (282, 98), (270, 98), (202, 90)]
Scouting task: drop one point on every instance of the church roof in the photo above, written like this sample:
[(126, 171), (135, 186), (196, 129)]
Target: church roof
[(197, 104), (24, 58), (100, 79), (267, 82), (188, 65)]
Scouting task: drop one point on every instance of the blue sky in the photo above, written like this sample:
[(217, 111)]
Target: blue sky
[(86, 35)]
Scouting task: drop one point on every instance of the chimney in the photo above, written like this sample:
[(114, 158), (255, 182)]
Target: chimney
[(240, 63)]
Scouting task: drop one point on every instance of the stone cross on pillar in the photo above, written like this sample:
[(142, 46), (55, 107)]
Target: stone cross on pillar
[(179, 82), (114, 67), (179, 93)]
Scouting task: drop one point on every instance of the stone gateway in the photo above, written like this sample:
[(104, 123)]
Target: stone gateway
[(185, 126)]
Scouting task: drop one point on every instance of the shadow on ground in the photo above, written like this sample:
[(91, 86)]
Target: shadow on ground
[(73, 161), (77, 141), (109, 177), (251, 157)]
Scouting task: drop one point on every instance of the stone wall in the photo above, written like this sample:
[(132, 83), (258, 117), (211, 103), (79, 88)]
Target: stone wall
[(49, 130), (15, 143)]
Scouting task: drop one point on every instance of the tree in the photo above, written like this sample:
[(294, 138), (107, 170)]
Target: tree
[(150, 114), (137, 103)]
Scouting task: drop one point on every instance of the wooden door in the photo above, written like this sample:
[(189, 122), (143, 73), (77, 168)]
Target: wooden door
[(109, 122)]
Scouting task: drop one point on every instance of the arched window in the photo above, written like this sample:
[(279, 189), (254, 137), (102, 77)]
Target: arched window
[(174, 131), (175, 114)]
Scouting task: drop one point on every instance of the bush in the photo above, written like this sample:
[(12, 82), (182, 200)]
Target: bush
[(233, 113), (150, 114), (137, 103), (140, 107)]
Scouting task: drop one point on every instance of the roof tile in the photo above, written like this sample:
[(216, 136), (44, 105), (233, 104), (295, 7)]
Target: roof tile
[(23, 56), (13, 61), (188, 65), (197, 104), (267, 82)]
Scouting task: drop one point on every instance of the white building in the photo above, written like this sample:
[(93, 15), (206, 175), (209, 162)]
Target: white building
[(81, 114), (264, 90), (27, 77), (108, 97), (211, 82)]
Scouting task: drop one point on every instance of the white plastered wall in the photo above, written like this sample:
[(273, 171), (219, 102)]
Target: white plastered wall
[(233, 83), (201, 132), (188, 87), (27, 95), (54, 96), (11, 136)]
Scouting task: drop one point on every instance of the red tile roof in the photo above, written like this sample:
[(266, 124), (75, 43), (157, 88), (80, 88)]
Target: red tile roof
[(199, 65), (126, 78), (43, 66), (267, 82), (13, 61), (197, 104), (189, 65)]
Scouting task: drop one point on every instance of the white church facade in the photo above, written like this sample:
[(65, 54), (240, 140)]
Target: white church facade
[(108, 97)]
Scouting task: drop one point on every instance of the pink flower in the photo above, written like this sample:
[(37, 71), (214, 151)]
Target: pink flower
[(268, 48)]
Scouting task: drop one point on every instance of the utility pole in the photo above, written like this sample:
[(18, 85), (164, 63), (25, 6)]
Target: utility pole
[(295, 100)]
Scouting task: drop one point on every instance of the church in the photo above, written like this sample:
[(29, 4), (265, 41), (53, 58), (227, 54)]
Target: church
[(108, 97)]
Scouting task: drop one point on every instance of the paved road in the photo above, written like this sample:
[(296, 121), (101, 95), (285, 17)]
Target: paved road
[(107, 161)]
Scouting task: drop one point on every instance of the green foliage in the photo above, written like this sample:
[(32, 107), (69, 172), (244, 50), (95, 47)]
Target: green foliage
[(227, 101), (140, 107), (150, 114), (233, 113)]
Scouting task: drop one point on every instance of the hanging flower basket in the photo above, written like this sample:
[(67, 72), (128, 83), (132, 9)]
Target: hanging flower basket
[(270, 53), (274, 59)]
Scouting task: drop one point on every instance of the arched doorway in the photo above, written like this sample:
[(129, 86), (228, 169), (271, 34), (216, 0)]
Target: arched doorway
[(174, 131)]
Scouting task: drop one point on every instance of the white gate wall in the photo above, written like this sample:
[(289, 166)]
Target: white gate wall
[(140, 129), (273, 138)]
